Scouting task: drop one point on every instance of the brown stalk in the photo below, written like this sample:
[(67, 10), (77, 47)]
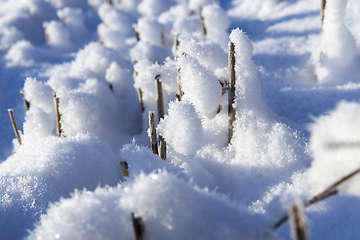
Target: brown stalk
[(26, 103), (202, 22), (298, 221), (124, 167), (159, 97), (58, 115), (162, 148), (139, 227), (16, 130), (152, 127), (231, 91)]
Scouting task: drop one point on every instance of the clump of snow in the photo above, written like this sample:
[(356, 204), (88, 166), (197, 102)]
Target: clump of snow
[(153, 7), (94, 60), (24, 54), (164, 202), (182, 128), (195, 5), (9, 36), (335, 147), (338, 46), (69, 34), (206, 51), (200, 85), (45, 169), (216, 23)]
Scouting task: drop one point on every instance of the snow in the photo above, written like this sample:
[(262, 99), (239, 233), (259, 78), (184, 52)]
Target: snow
[(296, 128)]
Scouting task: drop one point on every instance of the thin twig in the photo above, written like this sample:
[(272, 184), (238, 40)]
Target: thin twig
[(16, 130), (231, 91), (152, 127)]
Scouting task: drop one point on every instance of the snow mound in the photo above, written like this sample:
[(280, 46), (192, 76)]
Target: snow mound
[(46, 169), (166, 205), (335, 147)]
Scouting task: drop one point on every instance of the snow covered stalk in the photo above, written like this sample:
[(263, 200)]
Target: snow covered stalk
[(330, 191), (323, 5), (139, 227), (152, 127), (58, 115), (162, 148), (124, 167), (162, 39), (231, 90), (298, 221), (202, 22), (159, 97), (140, 96), (181, 93), (137, 34), (16, 130), (26, 103)]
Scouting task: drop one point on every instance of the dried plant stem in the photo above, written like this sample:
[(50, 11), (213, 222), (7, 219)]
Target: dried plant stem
[(162, 38), (181, 93), (176, 47), (139, 227), (137, 34), (162, 148), (330, 191), (26, 103), (323, 5), (159, 97), (152, 127), (124, 167), (16, 130), (231, 91), (58, 115), (298, 221), (140, 96), (202, 22)]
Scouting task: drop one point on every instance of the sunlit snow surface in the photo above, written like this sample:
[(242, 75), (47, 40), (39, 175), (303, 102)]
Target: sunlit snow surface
[(296, 130)]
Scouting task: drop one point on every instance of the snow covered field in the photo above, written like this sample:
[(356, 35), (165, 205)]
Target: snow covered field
[(296, 130)]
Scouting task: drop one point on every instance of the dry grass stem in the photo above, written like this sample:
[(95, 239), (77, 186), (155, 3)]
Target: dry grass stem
[(124, 167), (298, 221), (152, 127), (162, 148), (231, 91), (26, 103), (137, 34), (58, 115), (202, 22), (139, 227), (16, 130), (140, 96), (159, 97)]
